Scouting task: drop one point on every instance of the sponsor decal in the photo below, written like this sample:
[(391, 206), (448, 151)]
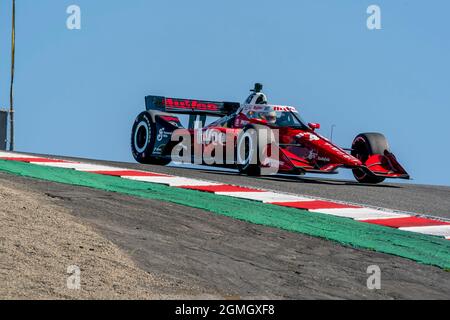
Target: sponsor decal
[(214, 136), (160, 135), (312, 155), (191, 105), (267, 108), (284, 109), (159, 149)]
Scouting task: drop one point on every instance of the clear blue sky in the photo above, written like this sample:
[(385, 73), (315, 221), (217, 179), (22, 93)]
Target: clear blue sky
[(77, 92)]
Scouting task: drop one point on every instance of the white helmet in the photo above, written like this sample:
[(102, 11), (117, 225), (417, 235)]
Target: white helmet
[(270, 116)]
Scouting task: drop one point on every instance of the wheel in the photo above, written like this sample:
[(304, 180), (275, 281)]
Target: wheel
[(143, 137), (247, 152), (365, 145)]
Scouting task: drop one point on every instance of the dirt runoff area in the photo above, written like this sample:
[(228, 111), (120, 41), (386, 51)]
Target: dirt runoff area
[(45, 253)]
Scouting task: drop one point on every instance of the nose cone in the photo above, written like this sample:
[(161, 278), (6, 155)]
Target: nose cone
[(345, 158), (327, 148), (354, 161), (338, 154)]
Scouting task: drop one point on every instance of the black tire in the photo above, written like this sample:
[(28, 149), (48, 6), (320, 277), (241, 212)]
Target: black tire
[(365, 145), (247, 158), (143, 137)]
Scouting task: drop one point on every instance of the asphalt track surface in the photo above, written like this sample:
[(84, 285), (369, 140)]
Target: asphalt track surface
[(231, 258), (420, 199)]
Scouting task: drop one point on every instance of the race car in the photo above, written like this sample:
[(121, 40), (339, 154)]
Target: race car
[(299, 149)]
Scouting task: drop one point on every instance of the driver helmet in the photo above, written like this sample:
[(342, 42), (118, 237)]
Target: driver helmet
[(269, 116)]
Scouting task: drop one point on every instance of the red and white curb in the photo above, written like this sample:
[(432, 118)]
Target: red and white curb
[(389, 218)]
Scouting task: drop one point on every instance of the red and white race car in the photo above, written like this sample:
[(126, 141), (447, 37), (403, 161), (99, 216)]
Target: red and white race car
[(298, 147)]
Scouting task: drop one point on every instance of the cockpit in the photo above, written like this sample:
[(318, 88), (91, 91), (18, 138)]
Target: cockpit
[(278, 116)]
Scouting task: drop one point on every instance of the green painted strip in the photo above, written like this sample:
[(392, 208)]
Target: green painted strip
[(421, 248)]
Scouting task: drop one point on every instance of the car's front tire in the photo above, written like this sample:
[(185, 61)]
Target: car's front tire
[(363, 146), (143, 138)]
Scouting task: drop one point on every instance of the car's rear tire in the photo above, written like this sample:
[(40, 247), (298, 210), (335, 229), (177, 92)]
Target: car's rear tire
[(247, 152), (143, 138), (365, 145)]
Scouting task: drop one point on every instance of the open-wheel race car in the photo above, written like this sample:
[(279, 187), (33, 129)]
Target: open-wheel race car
[(299, 148)]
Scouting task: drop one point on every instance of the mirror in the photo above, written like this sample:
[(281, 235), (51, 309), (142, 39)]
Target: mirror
[(314, 126)]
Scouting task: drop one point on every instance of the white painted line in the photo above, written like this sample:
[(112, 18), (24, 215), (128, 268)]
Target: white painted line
[(65, 165), (361, 213), (172, 181), (200, 167), (95, 167), (264, 196), (443, 231), (4, 154), (78, 166), (386, 215)]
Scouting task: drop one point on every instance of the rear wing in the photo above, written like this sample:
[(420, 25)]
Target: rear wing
[(190, 106)]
